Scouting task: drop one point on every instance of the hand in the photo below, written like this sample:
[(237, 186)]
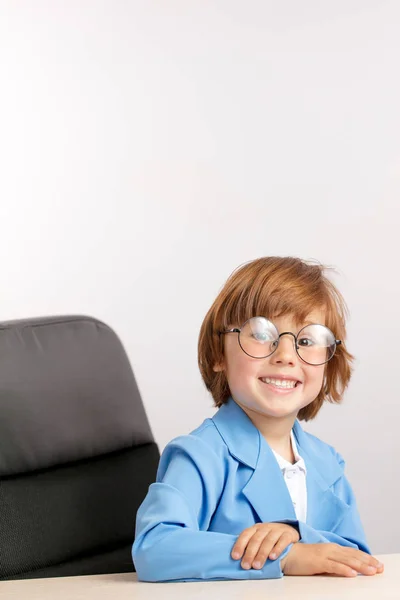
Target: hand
[(262, 541), (311, 559)]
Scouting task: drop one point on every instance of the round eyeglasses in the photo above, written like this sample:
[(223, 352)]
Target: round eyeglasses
[(259, 338)]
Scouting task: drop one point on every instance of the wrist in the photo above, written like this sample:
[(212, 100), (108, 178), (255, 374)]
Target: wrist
[(283, 563), (284, 557)]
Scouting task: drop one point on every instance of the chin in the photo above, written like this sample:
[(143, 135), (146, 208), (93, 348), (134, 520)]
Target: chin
[(270, 411), (279, 414)]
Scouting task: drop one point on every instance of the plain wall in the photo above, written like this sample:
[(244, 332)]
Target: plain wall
[(148, 148)]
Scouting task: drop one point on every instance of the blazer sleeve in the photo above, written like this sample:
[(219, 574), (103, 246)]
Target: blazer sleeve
[(172, 542), (349, 531)]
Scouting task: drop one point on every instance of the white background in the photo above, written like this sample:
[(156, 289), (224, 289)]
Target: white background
[(147, 148)]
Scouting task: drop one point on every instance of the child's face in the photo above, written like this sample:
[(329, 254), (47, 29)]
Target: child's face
[(245, 374)]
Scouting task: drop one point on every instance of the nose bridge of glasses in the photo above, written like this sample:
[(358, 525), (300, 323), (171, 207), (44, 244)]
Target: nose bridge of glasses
[(288, 333), (289, 346)]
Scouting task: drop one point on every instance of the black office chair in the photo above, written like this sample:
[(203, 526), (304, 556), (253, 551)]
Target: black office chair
[(76, 450)]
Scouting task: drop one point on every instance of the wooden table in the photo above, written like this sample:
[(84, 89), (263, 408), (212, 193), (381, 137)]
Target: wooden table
[(126, 587)]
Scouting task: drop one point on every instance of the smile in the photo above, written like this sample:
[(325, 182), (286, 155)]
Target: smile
[(280, 383)]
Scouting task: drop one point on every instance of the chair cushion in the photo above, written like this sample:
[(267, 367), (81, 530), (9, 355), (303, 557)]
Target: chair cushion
[(114, 561), (80, 514)]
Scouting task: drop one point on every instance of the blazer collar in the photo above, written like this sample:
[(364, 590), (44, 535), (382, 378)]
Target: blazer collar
[(266, 489), (238, 432), (325, 472), (245, 442)]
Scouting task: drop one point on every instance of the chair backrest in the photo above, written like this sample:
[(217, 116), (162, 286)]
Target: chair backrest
[(76, 450)]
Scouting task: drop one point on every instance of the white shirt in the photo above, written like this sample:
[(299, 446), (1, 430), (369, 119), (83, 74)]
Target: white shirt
[(295, 479)]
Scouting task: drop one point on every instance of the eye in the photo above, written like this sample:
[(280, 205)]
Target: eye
[(260, 336), (305, 342)]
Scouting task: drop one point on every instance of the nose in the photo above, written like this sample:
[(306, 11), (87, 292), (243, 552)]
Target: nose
[(285, 352)]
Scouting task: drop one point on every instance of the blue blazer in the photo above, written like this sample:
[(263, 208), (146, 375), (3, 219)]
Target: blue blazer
[(223, 478)]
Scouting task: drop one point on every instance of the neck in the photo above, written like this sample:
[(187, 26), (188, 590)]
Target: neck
[(275, 430)]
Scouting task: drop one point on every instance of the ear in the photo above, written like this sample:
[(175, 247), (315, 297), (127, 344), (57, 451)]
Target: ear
[(217, 368)]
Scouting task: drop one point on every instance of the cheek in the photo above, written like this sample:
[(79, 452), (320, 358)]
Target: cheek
[(315, 377), (241, 368)]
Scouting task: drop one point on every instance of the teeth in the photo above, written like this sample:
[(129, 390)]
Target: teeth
[(283, 383)]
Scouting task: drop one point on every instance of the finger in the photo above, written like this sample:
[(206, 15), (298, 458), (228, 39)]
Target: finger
[(241, 543), (371, 561), (357, 560), (336, 568), (363, 560), (283, 528), (374, 562), (360, 566), (252, 548), (264, 549), (354, 552), (281, 545)]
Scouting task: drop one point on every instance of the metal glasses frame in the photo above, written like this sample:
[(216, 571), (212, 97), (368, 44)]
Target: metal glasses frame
[(238, 331)]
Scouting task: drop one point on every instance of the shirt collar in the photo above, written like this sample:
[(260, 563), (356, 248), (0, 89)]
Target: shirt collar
[(285, 464), (244, 443)]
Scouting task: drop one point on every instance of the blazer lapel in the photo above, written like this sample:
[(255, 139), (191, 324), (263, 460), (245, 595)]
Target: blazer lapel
[(266, 489), (324, 509)]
